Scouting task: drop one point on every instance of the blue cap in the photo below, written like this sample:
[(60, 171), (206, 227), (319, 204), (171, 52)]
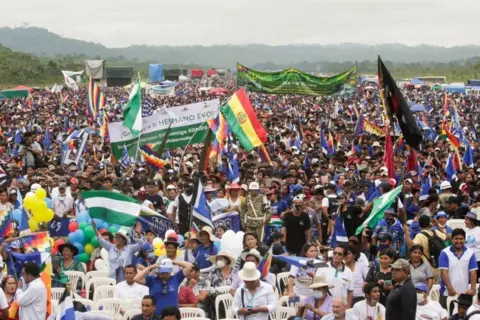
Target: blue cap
[(16, 244), (471, 215), (421, 287), (441, 214)]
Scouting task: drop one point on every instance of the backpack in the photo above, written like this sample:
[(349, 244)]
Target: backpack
[(435, 245)]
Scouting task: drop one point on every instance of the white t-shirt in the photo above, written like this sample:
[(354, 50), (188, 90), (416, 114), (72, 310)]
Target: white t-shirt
[(3, 300), (432, 311), (130, 292), (170, 211), (358, 278), (341, 280), (362, 311), (474, 307), (302, 279), (472, 240)]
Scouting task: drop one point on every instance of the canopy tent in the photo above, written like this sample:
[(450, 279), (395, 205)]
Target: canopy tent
[(455, 88), (4, 94), (417, 108), (22, 87), (437, 87), (211, 72), (196, 73), (417, 81)]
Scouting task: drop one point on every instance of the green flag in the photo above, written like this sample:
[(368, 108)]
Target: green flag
[(132, 114), (378, 210)]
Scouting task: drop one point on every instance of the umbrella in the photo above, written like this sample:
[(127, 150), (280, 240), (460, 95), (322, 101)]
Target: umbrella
[(217, 91), (417, 108)]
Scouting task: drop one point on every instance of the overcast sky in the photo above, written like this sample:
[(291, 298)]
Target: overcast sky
[(118, 23)]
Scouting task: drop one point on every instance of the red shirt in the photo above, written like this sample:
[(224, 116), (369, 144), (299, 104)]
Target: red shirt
[(186, 296)]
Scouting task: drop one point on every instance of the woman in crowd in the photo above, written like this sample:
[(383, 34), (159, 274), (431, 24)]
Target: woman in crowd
[(65, 262), (223, 274), (420, 272), (359, 273), (250, 241), (319, 303), (381, 273), (300, 278), (205, 250), (172, 253), (236, 202), (9, 286), (472, 239), (219, 231)]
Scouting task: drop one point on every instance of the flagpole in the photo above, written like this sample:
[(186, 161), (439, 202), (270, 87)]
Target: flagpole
[(139, 134)]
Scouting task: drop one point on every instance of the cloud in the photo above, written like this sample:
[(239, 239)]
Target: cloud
[(118, 23)]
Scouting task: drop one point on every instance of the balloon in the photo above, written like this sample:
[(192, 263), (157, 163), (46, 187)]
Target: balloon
[(82, 225), (104, 254), (229, 234), (100, 264), (82, 216), (41, 194), (159, 252), (73, 226), (102, 230), (157, 240), (168, 232), (49, 203), (94, 242), (54, 250), (180, 240), (89, 232), (33, 225), (103, 225), (58, 242), (217, 244), (17, 214), (80, 236), (172, 236), (48, 216), (88, 249), (113, 229), (72, 237), (29, 200), (79, 247), (83, 257)]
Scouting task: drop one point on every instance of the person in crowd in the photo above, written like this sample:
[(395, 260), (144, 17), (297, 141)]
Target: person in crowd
[(472, 235), (96, 254), (223, 274), (5, 205), (32, 301), (255, 298), (4, 305), (463, 302), (10, 288), (149, 304), (339, 276), (236, 202), (164, 286), (190, 248), (297, 228), (473, 311), (129, 289), (219, 231), (200, 286), (250, 241), (205, 250), (120, 253), (402, 300), (370, 307), (339, 311), (389, 225), (171, 313), (427, 309), (319, 303), (172, 253), (63, 202), (181, 208), (65, 262), (381, 274), (459, 268), (359, 272), (258, 211), (255, 257), (420, 271), (300, 278), (440, 224)]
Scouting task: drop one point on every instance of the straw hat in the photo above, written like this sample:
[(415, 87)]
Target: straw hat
[(225, 254), (319, 282), (234, 186), (251, 252), (249, 272), (208, 230)]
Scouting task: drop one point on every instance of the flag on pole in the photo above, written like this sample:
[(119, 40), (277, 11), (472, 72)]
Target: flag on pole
[(132, 114), (339, 234), (47, 140), (301, 262), (201, 210), (112, 207), (378, 210), (265, 264), (388, 159), (323, 142), (263, 154), (360, 124), (426, 186), (125, 157), (468, 156), (450, 168), (233, 173)]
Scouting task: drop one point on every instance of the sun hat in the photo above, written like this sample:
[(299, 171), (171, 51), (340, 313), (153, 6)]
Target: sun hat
[(207, 230), (249, 272), (445, 185), (209, 189), (225, 254), (319, 282), (251, 252), (464, 300), (401, 264), (165, 266), (70, 246), (234, 186), (122, 233)]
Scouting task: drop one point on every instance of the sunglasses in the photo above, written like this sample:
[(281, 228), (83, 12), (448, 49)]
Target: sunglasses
[(336, 253)]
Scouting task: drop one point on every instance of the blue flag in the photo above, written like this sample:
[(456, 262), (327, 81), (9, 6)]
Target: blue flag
[(426, 186), (468, 156), (18, 137), (47, 140), (65, 309), (306, 162), (232, 170), (300, 262), (201, 210), (339, 234), (450, 169), (125, 157)]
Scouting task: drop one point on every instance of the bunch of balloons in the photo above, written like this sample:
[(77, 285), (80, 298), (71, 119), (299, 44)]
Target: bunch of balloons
[(159, 246), (232, 242), (40, 206), (82, 235)]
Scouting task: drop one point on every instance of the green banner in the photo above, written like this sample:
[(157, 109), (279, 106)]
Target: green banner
[(292, 81)]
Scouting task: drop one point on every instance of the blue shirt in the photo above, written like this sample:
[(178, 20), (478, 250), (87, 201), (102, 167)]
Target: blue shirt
[(278, 207), (164, 298), (202, 255), (395, 230)]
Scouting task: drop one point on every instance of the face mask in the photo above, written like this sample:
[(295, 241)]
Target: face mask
[(220, 264), (298, 207), (420, 297), (151, 256), (318, 294)]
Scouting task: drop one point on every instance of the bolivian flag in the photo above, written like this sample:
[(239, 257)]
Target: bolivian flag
[(243, 122)]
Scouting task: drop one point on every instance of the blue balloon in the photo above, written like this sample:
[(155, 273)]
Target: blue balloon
[(181, 239), (98, 222), (218, 244), (103, 225), (79, 236), (79, 246), (48, 201), (17, 214), (82, 216), (72, 237)]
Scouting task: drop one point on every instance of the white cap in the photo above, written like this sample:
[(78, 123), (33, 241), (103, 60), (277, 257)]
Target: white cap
[(376, 144), (253, 186), (171, 187), (189, 164), (35, 186), (445, 185)]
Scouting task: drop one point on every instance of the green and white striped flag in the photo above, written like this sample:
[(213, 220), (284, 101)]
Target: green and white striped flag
[(112, 207), (379, 207), (132, 115)]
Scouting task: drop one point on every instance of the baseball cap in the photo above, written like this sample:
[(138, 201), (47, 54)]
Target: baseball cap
[(441, 214), (471, 215), (400, 264), (166, 266), (421, 287), (171, 187)]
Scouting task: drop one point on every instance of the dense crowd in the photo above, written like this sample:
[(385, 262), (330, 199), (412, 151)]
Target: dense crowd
[(420, 260)]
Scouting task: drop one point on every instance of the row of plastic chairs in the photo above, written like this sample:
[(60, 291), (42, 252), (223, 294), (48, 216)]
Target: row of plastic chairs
[(75, 276)]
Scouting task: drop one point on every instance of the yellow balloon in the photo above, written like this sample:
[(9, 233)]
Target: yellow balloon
[(33, 225), (49, 215), (29, 201), (41, 194), (158, 252), (89, 248)]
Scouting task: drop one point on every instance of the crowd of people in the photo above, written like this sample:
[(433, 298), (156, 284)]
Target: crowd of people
[(413, 264)]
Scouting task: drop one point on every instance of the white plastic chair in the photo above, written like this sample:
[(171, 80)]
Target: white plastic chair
[(87, 303), (450, 304), (84, 266), (282, 281), (283, 302), (283, 313), (227, 301), (456, 223), (434, 294), (131, 313), (95, 282), (95, 274), (192, 313), (74, 277), (57, 293), (103, 292), (111, 304), (223, 289), (135, 304), (54, 306), (196, 318), (102, 313)]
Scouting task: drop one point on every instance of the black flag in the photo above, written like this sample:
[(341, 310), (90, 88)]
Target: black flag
[(396, 105)]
